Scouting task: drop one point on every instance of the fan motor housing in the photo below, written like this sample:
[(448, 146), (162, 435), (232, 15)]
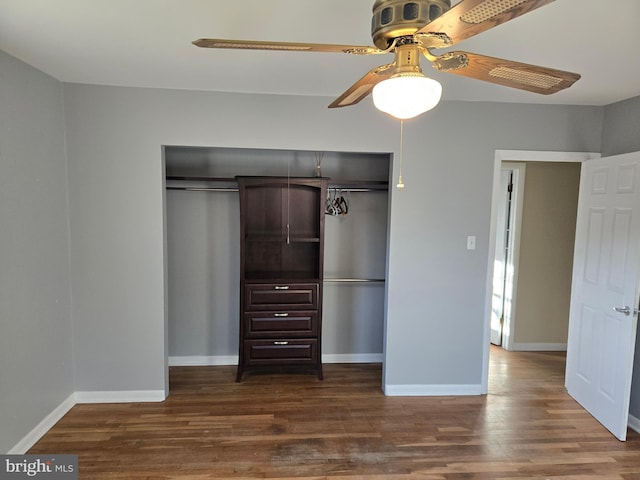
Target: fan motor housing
[(398, 18)]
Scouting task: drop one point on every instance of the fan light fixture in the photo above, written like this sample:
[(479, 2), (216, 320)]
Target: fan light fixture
[(407, 95)]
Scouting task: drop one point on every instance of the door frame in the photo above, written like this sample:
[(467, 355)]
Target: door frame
[(514, 224), (511, 156)]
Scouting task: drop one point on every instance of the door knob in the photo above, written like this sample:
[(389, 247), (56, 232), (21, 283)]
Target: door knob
[(626, 310)]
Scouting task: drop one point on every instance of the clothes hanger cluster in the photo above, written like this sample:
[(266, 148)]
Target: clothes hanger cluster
[(337, 203)]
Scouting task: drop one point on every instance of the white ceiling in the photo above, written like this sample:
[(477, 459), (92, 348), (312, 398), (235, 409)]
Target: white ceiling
[(147, 43)]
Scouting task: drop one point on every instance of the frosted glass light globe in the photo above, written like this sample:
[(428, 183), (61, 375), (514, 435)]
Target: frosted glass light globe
[(406, 95)]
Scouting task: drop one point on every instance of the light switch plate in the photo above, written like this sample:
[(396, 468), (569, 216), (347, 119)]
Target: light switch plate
[(471, 242)]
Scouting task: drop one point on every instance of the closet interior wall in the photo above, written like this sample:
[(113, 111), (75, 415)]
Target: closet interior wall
[(203, 249)]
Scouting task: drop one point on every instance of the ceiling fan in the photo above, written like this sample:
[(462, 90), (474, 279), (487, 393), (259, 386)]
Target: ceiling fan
[(411, 28)]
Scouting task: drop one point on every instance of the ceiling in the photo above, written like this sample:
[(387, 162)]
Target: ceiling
[(147, 43)]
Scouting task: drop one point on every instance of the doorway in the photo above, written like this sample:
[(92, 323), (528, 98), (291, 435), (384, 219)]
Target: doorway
[(517, 199), (534, 250)]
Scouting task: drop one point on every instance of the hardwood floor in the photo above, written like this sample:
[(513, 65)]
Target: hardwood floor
[(344, 428)]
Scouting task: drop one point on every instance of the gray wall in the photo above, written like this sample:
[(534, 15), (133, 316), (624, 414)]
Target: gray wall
[(621, 129), (355, 247), (116, 192), (36, 370), (436, 288), (621, 134), (203, 254)]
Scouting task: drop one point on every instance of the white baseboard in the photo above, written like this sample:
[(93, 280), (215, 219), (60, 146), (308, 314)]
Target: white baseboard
[(352, 358), (539, 347), (431, 390), (203, 360), (126, 396), (43, 427), (82, 397), (634, 423)]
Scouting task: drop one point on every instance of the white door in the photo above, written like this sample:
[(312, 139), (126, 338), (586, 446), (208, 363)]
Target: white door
[(500, 262), (605, 277)]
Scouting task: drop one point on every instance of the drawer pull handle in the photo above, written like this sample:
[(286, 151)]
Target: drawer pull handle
[(280, 314), (281, 287), (281, 343)]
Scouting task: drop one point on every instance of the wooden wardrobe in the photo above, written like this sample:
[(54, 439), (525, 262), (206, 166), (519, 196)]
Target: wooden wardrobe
[(281, 272)]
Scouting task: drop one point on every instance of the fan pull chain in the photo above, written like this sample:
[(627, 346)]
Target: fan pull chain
[(319, 156), (400, 184)]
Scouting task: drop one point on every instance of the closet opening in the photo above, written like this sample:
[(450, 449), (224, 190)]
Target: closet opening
[(203, 249)]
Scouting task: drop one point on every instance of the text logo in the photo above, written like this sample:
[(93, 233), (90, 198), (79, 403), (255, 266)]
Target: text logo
[(50, 467)]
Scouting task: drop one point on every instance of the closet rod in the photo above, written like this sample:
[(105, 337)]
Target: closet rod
[(203, 189), (355, 280), (349, 190), (228, 189)]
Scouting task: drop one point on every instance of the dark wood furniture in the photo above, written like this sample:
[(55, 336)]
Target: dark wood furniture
[(281, 263)]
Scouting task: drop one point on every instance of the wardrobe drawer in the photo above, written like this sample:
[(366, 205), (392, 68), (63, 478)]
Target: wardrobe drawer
[(282, 351), (296, 323), (281, 296)]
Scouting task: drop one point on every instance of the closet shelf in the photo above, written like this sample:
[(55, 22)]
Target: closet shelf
[(359, 185), (345, 185), (188, 178)]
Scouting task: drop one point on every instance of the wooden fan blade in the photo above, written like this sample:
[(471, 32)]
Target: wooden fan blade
[(471, 17), (284, 46), (506, 72), (364, 86)]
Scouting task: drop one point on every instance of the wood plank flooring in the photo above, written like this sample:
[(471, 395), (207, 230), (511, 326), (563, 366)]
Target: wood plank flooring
[(343, 428)]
